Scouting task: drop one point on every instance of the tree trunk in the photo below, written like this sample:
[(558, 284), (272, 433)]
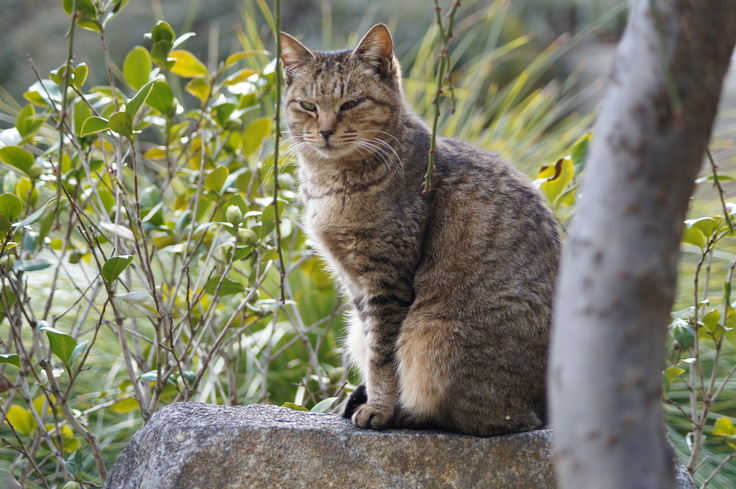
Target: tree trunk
[(619, 268)]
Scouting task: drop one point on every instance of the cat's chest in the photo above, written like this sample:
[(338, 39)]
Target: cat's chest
[(339, 220), (348, 227)]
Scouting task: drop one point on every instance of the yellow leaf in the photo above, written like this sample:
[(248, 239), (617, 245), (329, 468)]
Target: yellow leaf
[(125, 406), (157, 153), (187, 65), (216, 179), (239, 76), (724, 427), (40, 402), (235, 57), (21, 419), (199, 88), (255, 133), (553, 179)]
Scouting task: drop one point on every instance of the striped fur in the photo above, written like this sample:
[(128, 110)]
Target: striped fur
[(451, 291)]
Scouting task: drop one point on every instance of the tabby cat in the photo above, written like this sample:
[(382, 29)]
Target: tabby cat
[(451, 289)]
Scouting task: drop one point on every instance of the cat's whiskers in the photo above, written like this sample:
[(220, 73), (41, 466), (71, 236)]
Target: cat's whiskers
[(294, 146), (390, 158), (386, 146), (385, 133)]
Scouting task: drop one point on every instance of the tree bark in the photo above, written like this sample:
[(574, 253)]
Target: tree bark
[(619, 267)]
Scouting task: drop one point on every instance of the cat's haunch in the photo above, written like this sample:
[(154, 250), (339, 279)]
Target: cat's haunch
[(451, 291)]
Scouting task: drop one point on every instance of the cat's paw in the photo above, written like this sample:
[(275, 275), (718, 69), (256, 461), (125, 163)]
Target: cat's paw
[(356, 399), (373, 417)]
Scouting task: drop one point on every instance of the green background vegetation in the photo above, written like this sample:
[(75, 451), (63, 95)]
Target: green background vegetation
[(140, 263)]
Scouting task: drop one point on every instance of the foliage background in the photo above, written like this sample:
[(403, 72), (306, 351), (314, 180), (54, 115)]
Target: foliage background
[(140, 264)]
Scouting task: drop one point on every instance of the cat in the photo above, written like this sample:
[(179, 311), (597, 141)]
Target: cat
[(450, 289)]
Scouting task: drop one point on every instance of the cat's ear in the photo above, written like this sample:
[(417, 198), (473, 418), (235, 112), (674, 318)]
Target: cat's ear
[(377, 48), (294, 54)]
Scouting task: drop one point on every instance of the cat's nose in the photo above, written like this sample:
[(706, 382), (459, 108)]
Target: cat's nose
[(327, 133)]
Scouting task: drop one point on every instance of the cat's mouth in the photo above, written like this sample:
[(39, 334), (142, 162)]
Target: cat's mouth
[(329, 149)]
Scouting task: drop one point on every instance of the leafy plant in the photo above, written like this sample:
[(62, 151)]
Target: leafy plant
[(150, 244), (700, 366)]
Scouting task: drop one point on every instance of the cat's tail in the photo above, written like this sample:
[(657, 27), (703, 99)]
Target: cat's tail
[(358, 397)]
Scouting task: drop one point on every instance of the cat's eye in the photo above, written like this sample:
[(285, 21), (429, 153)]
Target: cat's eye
[(308, 106), (350, 105)]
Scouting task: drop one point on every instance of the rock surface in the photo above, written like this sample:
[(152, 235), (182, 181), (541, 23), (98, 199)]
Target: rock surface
[(190, 445)]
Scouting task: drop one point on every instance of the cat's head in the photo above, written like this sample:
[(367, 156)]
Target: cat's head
[(342, 103)]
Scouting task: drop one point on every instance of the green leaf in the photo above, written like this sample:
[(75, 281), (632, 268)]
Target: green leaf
[(85, 7), (268, 219), (36, 215), (136, 305), (8, 481), (216, 179), (21, 419), (228, 287), (17, 157), (708, 225), (324, 405), (162, 31), (711, 320), (137, 67), (683, 334), (10, 206), (255, 133), (118, 230), (161, 98), (78, 350), (139, 99), (150, 376), (295, 407), (160, 53), (94, 124), (672, 373), (114, 266), (579, 152), (694, 236), (62, 344), (28, 123), (32, 265), (122, 123), (724, 427), (80, 75), (5, 224), (82, 112), (10, 358), (187, 65), (75, 464)]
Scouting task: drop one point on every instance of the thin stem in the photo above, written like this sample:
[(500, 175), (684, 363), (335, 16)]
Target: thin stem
[(717, 183), (277, 140), (446, 35), (717, 469), (64, 102)]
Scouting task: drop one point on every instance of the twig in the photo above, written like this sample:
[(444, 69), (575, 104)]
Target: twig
[(717, 182), (718, 469), (446, 34), (277, 137)]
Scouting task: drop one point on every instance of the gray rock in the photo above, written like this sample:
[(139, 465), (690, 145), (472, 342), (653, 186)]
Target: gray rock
[(190, 446)]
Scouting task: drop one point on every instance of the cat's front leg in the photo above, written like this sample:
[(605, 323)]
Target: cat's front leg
[(381, 389), (380, 327)]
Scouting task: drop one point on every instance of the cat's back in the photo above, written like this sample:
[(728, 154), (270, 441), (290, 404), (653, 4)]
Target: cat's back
[(490, 229)]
